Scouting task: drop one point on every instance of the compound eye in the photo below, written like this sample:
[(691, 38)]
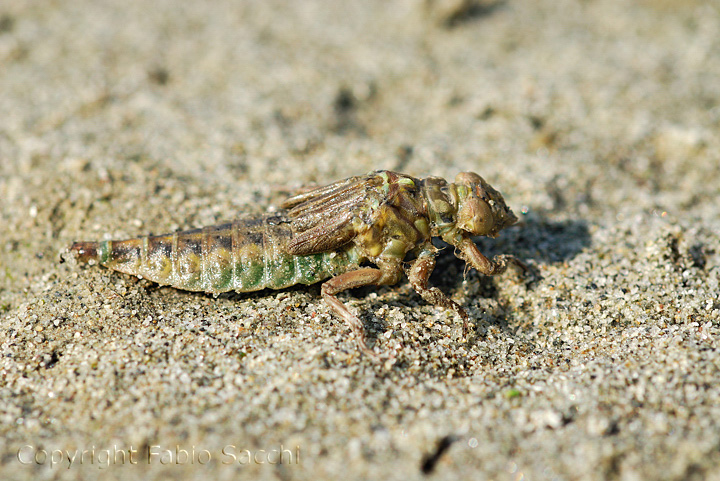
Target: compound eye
[(476, 217), (484, 218)]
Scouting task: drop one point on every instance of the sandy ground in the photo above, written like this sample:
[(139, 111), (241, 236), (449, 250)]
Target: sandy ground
[(599, 122)]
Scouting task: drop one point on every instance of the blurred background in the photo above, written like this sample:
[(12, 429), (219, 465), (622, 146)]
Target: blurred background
[(597, 119)]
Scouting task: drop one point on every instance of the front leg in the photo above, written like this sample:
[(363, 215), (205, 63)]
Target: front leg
[(470, 253), (350, 280), (419, 274)]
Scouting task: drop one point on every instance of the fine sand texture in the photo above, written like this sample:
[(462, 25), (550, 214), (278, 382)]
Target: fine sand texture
[(597, 119)]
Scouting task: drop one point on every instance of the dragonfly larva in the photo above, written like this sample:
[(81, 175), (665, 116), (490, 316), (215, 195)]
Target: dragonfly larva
[(336, 232)]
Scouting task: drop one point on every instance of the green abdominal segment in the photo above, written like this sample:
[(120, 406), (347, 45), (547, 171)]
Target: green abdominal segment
[(281, 271), (243, 256)]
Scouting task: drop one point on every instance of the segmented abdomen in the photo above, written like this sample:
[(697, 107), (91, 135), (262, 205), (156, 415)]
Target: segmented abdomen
[(245, 255)]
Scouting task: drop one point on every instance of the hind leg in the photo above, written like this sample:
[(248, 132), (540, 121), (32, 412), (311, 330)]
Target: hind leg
[(350, 280)]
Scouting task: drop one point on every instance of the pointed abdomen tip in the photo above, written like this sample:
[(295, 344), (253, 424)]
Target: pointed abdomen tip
[(84, 251)]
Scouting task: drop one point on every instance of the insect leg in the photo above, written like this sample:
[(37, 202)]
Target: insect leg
[(350, 280), (470, 253), (419, 274)]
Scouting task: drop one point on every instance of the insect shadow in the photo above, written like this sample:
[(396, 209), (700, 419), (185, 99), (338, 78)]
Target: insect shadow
[(549, 242), (536, 242)]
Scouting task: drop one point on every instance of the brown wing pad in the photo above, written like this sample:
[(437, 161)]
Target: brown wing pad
[(322, 238)]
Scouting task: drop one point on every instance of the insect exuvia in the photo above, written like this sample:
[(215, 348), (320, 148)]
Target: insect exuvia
[(336, 232)]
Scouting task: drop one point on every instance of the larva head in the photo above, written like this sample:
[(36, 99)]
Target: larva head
[(481, 210)]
